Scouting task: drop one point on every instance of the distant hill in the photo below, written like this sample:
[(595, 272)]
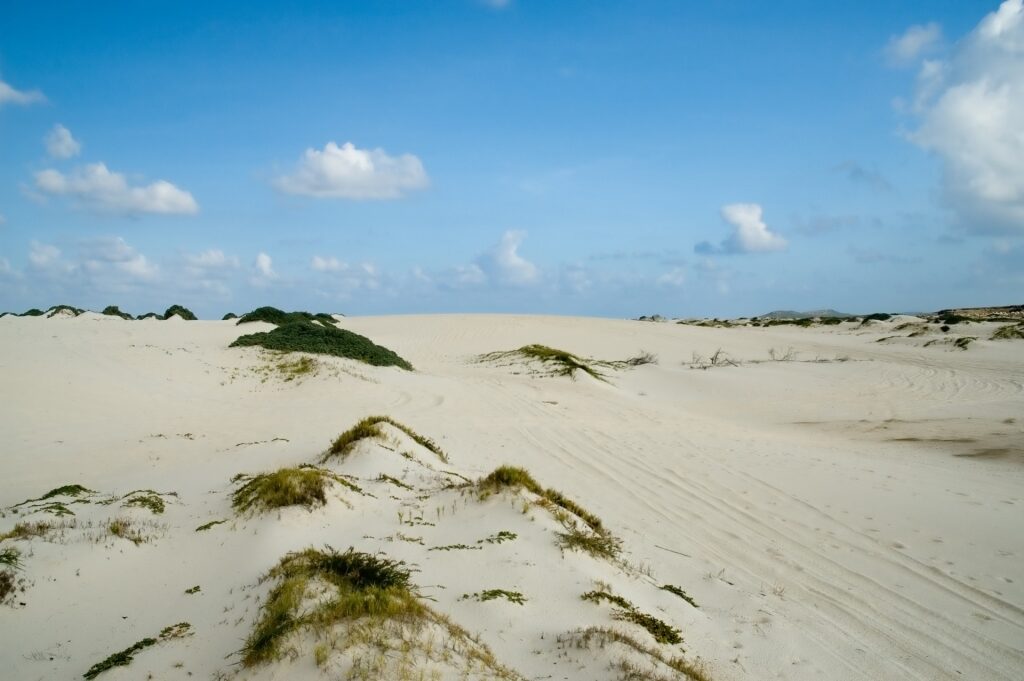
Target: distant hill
[(792, 314)]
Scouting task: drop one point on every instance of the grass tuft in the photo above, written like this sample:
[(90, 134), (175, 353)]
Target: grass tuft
[(627, 612), (1009, 332), (679, 592), (369, 428), (317, 339), (494, 594), (125, 657), (561, 362), (602, 637), (305, 486)]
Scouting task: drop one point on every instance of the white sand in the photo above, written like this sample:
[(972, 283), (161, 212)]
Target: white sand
[(833, 520)]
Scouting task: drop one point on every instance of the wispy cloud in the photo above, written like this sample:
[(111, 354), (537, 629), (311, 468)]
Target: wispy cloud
[(910, 45), (347, 172), (858, 174), (9, 95)]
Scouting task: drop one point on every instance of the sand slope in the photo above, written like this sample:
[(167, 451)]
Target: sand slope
[(854, 519)]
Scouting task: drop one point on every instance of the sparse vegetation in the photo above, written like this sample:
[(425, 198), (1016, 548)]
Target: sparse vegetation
[(148, 499), (180, 311), (59, 309), (10, 557), (205, 526), (33, 312), (718, 359), (494, 594), (604, 637), (193, 590), (627, 612), (317, 339), (369, 427), (679, 592), (304, 486), (125, 657), (643, 358), (877, 317), (560, 362), (125, 528), (229, 315), (73, 491), (26, 530), (499, 538)]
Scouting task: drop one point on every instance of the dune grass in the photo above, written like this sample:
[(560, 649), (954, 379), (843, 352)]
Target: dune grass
[(57, 309), (114, 311), (1009, 332), (494, 594), (604, 637), (594, 539), (317, 339), (369, 428), (362, 585), (272, 315), (560, 362), (672, 589), (304, 486)]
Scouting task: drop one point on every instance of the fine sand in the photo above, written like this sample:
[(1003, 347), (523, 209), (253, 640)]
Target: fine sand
[(856, 512)]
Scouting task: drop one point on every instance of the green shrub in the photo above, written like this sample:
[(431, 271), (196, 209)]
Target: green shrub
[(1009, 332), (323, 340), (304, 486), (878, 317), (34, 312), (627, 612), (229, 315), (182, 312), (150, 314), (56, 309), (114, 311), (272, 315)]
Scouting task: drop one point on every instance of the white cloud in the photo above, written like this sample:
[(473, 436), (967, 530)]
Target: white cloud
[(97, 188), (346, 172), (330, 264), (60, 143), (675, 277), (8, 95), (915, 41), (750, 233), (104, 254), (504, 265), (972, 117), (265, 267), (43, 255), (213, 259)]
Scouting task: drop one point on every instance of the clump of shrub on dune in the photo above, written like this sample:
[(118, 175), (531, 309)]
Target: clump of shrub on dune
[(369, 428), (178, 310), (272, 315), (115, 311), (320, 339), (304, 486)]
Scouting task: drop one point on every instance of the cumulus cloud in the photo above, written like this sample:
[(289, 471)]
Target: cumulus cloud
[(971, 109), (60, 143), (8, 95), (750, 233), (346, 172), (95, 187), (503, 264), (916, 41), (114, 253)]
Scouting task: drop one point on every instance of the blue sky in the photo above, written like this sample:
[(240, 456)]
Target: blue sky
[(596, 158)]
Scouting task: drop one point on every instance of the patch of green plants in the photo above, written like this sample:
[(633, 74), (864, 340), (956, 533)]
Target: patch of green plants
[(194, 590), (180, 311), (62, 491), (33, 312), (7, 585), (10, 557), (124, 528), (229, 315), (370, 428), (1009, 332), (963, 341), (877, 317), (604, 637), (27, 530), (803, 322), (205, 526), (494, 594), (272, 315), (455, 547), (126, 656), (304, 486), (627, 612), (318, 339), (297, 368), (115, 311), (499, 538), (148, 499), (679, 592), (360, 585), (149, 315)]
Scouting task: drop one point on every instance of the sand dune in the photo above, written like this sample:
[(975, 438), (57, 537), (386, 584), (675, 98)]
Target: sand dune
[(854, 512)]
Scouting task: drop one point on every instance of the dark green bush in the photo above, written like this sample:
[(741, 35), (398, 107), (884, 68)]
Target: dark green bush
[(182, 312), (323, 340), (114, 311), (272, 315)]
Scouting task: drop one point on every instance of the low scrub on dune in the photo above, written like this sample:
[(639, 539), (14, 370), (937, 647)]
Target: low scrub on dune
[(115, 311), (229, 315), (178, 310), (272, 315), (318, 339), (369, 428), (563, 363), (655, 663), (33, 312), (366, 606), (304, 486), (594, 539), (1009, 332), (64, 310)]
